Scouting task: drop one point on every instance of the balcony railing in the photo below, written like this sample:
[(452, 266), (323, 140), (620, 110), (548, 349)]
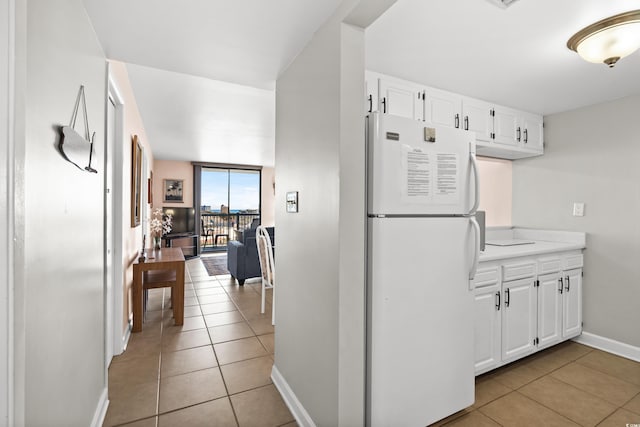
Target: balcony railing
[(219, 228)]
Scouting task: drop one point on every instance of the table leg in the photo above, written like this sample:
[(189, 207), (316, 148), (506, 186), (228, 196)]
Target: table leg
[(177, 296), (137, 297)]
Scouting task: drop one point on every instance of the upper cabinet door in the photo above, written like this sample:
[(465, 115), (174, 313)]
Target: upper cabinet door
[(477, 118), (371, 92), (505, 126), (533, 132), (443, 108), (401, 99)]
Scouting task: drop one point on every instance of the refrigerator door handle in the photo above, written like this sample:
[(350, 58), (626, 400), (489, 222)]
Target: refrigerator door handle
[(476, 251), (476, 181)]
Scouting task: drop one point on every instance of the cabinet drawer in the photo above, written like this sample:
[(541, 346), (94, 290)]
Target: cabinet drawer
[(573, 261), (549, 265), (486, 276), (518, 271)]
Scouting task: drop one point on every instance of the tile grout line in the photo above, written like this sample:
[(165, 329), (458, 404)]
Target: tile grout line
[(548, 374), (215, 354)]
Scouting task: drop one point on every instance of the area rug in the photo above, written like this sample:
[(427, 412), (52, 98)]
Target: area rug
[(215, 265)]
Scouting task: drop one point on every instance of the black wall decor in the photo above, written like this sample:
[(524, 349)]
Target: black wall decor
[(73, 147)]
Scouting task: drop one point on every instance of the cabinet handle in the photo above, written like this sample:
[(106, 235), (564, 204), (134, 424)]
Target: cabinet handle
[(526, 136), (561, 285), (518, 133), (466, 122), (498, 301), (370, 103), (506, 297), (384, 105), (568, 284), (457, 121)]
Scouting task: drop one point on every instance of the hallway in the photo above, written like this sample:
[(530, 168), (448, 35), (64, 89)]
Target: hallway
[(213, 370)]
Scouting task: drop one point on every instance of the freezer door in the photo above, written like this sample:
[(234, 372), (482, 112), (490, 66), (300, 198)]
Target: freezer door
[(420, 335), (414, 169)]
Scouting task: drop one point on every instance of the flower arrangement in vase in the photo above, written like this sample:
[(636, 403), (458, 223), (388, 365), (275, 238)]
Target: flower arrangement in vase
[(159, 225)]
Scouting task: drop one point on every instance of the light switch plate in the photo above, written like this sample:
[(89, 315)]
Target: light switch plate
[(578, 209), (292, 201)]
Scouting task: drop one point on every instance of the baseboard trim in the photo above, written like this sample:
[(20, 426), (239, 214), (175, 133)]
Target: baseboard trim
[(299, 413), (101, 409), (127, 335), (609, 345)]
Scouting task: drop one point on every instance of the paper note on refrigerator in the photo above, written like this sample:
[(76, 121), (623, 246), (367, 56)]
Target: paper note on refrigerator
[(430, 177), (418, 173)]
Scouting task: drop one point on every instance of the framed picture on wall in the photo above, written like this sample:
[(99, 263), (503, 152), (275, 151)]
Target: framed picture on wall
[(136, 181), (173, 190)]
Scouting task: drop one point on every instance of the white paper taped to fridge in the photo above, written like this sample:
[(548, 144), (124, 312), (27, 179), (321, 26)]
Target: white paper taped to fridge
[(418, 173), (430, 177), (447, 185)]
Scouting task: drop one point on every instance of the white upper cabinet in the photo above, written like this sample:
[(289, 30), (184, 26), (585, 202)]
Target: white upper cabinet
[(401, 99), (501, 132), (531, 128), (476, 117), (371, 91), (505, 126), (442, 108)]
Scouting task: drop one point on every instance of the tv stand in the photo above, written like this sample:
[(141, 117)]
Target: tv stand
[(189, 248)]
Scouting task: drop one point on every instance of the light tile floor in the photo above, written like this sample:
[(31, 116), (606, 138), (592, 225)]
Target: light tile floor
[(565, 385), (215, 371), (212, 371)]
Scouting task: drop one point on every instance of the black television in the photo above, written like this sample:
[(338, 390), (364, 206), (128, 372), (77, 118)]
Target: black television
[(183, 220)]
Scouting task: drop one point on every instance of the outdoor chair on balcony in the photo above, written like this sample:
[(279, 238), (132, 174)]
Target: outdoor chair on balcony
[(206, 232)]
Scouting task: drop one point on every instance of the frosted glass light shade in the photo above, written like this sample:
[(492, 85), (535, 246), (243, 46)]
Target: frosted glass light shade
[(608, 40)]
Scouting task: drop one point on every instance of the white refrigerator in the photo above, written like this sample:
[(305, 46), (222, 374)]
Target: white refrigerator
[(422, 252)]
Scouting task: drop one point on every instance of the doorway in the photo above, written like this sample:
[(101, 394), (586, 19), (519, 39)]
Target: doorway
[(229, 201), (115, 332)]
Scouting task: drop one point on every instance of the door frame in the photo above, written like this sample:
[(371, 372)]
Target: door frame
[(115, 322), (7, 198)]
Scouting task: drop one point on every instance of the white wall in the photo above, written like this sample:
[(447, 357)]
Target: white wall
[(495, 190), (320, 297), (60, 376), (307, 155), (591, 156)]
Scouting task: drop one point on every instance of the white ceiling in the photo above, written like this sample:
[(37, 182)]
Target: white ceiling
[(188, 63), (203, 72), (515, 57)]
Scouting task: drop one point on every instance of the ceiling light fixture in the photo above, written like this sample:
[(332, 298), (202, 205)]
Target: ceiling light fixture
[(608, 40), (502, 3)]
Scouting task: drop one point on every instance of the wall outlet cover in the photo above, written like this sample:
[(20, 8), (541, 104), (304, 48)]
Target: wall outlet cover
[(578, 209)]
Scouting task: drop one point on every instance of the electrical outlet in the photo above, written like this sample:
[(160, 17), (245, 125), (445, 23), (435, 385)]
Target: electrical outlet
[(578, 209)]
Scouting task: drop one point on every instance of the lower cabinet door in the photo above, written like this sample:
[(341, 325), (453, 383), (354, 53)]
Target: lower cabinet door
[(550, 292), (518, 318), (572, 303), (487, 327)]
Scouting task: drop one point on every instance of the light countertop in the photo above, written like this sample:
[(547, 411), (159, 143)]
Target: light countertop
[(545, 241)]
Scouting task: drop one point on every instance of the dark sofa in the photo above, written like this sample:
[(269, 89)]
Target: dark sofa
[(242, 256)]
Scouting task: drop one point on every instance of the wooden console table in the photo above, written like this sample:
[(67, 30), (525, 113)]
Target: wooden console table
[(162, 268)]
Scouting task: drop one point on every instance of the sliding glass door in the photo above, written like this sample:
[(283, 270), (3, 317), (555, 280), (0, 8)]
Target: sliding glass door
[(229, 201)]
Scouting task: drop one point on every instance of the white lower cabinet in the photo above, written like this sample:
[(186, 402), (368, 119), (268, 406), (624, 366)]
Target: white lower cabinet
[(518, 318), (488, 318), (549, 309), (525, 305)]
